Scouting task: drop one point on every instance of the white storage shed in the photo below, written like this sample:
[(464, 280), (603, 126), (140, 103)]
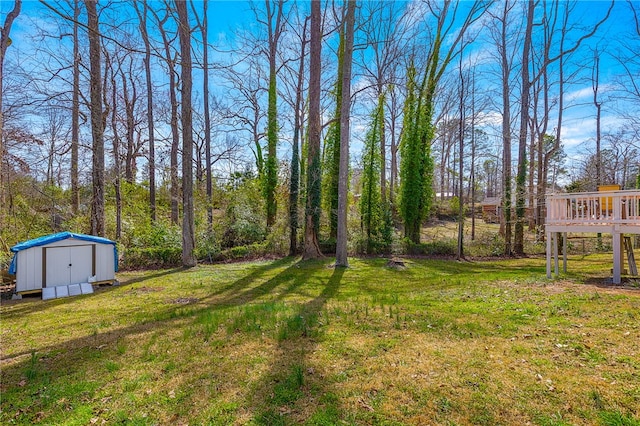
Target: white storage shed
[(63, 259)]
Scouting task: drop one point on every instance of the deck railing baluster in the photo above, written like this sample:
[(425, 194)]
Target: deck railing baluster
[(594, 208)]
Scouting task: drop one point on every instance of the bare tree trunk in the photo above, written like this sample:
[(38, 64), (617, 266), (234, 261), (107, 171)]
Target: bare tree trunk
[(75, 112), (443, 163), (518, 240), (188, 221), (175, 131), (531, 163), (543, 155), (203, 26), (473, 157), (383, 154), (505, 68), (116, 148), (311, 248), (538, 132), (294, 186), (150, 122), (544, 178), (460, 252), (5, 41), (175, 143), (207, 118), (97, 129), (595, 84), (129, 105), (546, 153), (343, 176)]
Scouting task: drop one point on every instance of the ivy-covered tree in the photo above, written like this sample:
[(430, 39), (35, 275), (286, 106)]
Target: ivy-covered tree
[(311, 249), (274, 18), (416, 167), (370, 199), (343, 160), (332, 152)]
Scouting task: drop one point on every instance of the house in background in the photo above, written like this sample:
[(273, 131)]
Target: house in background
[(491, 209)]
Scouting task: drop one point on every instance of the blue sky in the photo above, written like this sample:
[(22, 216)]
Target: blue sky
[(228, 18)]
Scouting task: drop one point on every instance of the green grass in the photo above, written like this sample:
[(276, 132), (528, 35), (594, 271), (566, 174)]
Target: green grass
[(290, 342)]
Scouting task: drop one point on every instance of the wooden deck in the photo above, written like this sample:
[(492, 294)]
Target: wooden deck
[(610, 212), (594, 212)]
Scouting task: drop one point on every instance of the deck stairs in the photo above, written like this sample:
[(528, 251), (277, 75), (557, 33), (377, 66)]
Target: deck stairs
[(628, 246)]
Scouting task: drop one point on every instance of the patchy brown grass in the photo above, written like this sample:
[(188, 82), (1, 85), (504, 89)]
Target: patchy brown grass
[(288, 342)]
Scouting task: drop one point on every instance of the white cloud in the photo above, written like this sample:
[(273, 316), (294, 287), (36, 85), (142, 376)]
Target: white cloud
[(577, 131), (491, 118), (586, 93)]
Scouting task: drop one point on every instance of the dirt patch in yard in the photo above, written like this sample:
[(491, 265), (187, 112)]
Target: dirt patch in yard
[(144, 289), (629, 287)]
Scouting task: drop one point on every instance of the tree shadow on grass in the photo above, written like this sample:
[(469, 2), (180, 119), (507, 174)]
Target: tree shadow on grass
[(276, 396), (144, 278), (48, 366), (33, 304), (291, 377), (241, 290)]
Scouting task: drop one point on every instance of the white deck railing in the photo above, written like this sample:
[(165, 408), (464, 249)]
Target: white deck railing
[(594, 208)]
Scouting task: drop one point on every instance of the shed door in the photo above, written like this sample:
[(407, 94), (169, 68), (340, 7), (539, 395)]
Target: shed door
[(68, 265)]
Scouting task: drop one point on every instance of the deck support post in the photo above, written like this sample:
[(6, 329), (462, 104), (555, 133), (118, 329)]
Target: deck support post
[(548, 254), (564, 252), (556, 236), (617, 257)]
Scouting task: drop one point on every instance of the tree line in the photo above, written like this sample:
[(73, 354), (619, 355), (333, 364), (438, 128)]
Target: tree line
[(132, 120)]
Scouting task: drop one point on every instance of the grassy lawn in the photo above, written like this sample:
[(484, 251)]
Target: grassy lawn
[(289, 342)]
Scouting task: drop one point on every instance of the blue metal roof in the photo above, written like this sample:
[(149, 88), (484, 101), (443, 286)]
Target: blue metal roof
[(52, 238)]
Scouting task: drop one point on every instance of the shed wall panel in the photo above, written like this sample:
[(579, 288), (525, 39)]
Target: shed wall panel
[(29, 275), (104, 262)]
